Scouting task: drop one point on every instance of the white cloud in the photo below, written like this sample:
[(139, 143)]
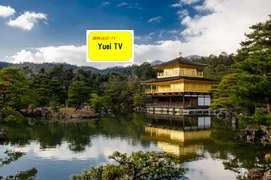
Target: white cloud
[(210, 168), (101, 146), (161, 33), (138, 37), (122, 4), (222, 30), (27, 20), (182, 13), (143, 38), (106, 3), (189, 1), (157, 19), (77, 54), (164, 50), (176, 5), (6, 11), (69, 54), (174, 31), (60, 54), (146, 37)]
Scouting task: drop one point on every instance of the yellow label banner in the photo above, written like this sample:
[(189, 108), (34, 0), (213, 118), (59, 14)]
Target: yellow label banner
[(111, 45)]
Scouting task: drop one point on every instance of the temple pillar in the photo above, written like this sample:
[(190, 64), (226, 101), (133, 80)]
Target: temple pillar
[(183, 101)]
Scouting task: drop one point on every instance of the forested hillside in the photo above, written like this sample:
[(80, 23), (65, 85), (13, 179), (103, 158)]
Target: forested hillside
[(218, 65), (35, 67), (64, 84), (60, 86)]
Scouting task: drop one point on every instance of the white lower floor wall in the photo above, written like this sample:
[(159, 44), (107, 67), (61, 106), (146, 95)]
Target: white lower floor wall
[(178, 111)]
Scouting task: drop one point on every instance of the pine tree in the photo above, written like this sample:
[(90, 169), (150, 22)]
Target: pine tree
[(254, 60), (78, 94)]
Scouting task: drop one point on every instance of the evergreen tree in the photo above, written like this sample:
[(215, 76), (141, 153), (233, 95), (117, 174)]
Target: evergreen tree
[(254, 60), (140, 165), (78, 94), (250, 85), (139, 99), (98, 102), (116, 87), (15, 94), (15, 89)]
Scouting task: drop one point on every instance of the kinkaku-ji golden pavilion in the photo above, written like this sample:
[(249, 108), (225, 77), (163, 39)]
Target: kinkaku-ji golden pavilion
[(180, 86)]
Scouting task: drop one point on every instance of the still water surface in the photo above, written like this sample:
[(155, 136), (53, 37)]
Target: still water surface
[(55, 149)]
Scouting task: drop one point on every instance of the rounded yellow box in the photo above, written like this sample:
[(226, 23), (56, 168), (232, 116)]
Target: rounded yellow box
[(109, 45)]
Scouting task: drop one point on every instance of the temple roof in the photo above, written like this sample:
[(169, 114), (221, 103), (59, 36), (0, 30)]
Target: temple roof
[(174, 78), (180, 60)]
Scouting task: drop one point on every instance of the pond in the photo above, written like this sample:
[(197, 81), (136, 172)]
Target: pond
[(55, 149)]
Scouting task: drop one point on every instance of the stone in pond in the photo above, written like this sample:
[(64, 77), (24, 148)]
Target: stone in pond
[(85, 115), (56, 115), (75, 116), (3, 136), (37, 112), (267, 175), (255, 173)]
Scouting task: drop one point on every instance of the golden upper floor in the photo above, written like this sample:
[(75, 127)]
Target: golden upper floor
[(192, 72), (179, 75), (180, 67)]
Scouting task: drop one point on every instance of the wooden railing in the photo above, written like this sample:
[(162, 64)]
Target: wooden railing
[(170, 74), (152, 91), (167, 104)]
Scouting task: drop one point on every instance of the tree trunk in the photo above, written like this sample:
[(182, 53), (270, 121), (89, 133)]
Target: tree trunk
[(251, 110), (77, 106), (50, 101), (269, 105)]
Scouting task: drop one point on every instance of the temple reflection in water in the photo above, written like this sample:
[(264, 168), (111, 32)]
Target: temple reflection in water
[(182, 136)]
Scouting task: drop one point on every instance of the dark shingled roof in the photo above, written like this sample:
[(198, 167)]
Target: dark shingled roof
[(177, 78), (180, 60)]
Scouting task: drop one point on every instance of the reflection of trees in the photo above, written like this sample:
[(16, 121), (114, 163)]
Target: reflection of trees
[(78, 135), (28, 174), (10, 157), (49, 136), (222, 131), (125, 125), (235, 154), (14, 156)]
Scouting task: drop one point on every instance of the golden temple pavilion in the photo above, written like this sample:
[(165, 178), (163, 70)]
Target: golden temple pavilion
[(181, 85)]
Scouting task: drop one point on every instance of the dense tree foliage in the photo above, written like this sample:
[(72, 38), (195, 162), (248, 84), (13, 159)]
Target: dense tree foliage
[(218, 66), (15, 93), (254, 60), (46, 66), (67, 85), (249, 87), (139, 99), (15, 89), (78, 94), (98, 102), (62, 85), (140, 165)]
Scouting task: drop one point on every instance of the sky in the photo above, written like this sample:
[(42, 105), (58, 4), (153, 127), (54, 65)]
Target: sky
[(55, 31)]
